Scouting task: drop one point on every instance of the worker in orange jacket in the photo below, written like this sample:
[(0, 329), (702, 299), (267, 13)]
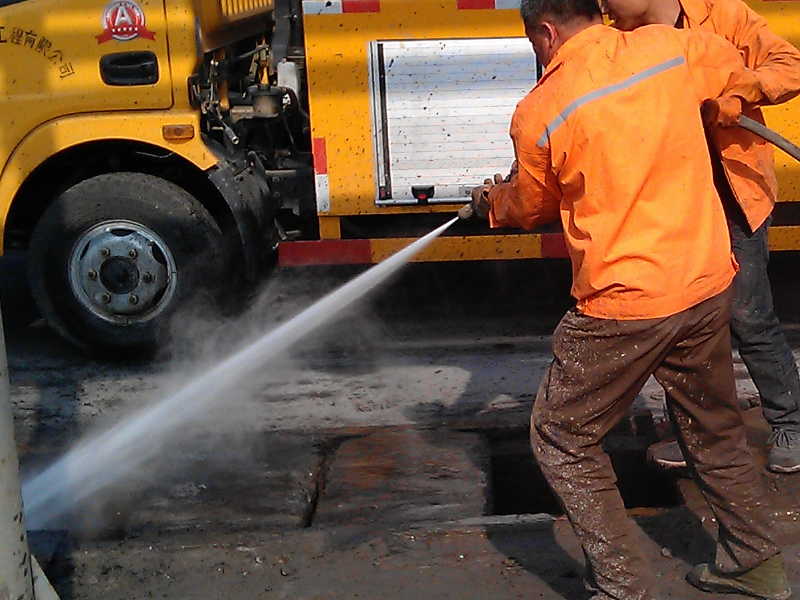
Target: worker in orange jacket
[(611, 143), (745, 179)]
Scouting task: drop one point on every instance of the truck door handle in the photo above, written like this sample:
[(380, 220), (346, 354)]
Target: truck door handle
[(129, 68)]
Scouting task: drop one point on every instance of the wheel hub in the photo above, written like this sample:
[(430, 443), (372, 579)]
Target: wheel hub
[(122, 272), (119, 275)]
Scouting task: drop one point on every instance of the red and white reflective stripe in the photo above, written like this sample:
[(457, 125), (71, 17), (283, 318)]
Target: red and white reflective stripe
[(487, 4), (337, 7), (321, 174), (324, 252), (554, 246)]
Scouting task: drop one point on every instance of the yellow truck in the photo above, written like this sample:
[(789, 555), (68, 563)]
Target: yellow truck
[(153, 150)]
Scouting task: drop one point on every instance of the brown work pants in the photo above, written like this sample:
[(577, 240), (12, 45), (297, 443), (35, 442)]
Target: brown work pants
[(599, 367)]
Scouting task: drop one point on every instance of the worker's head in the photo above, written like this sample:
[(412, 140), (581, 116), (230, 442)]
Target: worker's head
[(630, 14), (550, 23)]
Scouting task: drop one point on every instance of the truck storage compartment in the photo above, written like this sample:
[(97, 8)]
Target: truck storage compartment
[(441, 111)]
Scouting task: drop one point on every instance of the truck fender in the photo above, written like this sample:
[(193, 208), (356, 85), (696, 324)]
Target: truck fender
[(67, 132)]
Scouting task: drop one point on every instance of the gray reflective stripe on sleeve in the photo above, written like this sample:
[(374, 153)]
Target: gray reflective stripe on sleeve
[(562, 117)]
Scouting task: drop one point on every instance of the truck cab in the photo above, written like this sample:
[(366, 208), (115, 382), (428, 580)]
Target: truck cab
[(160, 152), (146, 150)]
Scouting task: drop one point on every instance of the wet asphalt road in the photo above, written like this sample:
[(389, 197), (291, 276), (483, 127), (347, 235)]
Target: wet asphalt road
[(443, 347), (436, 347), (439, 341)]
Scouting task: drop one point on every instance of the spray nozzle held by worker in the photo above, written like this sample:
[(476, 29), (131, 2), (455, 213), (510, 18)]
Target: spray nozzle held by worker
[(479, 206)]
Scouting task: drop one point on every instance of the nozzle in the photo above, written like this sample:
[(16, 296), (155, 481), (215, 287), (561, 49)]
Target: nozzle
[(466, 212)]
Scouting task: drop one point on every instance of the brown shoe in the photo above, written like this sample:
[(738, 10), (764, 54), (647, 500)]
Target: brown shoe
[(767, 580), (667, 455), (784, 453)]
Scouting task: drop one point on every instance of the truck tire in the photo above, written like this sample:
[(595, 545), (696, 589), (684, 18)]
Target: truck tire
[(114, 257)]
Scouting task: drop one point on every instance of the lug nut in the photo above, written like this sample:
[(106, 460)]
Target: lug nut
[(106, 298), (133, 299), (147, 278), (133, 253), (105, 252), (92, 274)]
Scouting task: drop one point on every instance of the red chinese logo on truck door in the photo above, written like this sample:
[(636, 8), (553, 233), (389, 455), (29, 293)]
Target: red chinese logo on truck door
[(123, 20)]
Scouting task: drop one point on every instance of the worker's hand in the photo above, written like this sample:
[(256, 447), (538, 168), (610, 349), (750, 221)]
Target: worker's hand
[(514, 170), (466, 212), (480, 196), (722, 112)]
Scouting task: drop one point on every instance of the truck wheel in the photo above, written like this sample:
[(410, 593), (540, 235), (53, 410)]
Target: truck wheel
[(114, 256)]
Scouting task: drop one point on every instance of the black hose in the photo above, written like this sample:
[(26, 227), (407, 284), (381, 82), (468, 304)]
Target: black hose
[(250, 53), (771, 136)]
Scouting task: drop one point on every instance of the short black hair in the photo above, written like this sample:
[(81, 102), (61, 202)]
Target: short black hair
[(532, 11)]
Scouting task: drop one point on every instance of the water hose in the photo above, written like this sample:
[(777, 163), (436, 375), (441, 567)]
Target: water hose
[(772, 137)]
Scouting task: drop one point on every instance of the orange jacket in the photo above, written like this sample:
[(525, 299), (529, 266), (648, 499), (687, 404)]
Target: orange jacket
[(611, 140), (748, 160)]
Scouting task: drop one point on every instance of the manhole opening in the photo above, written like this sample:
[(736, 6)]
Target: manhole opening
[(518, 486)]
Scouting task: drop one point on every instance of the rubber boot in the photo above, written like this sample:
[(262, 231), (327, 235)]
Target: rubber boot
[(767, 580)]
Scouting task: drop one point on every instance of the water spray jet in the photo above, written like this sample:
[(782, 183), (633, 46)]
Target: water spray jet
[(108, 456)]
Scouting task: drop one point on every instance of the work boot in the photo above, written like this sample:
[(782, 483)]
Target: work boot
[(767, 580), (667, 455), (784, 456)]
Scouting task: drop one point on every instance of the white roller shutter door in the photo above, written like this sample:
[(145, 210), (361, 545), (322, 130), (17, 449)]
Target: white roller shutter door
[(441, 111)]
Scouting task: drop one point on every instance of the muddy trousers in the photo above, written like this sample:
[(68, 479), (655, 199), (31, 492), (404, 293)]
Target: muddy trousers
[(599, 367)]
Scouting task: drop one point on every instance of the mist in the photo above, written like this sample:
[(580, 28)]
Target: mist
[(127, 447)]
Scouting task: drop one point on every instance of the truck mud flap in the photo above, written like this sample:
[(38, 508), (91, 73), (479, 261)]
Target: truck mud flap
[(248, 196)]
